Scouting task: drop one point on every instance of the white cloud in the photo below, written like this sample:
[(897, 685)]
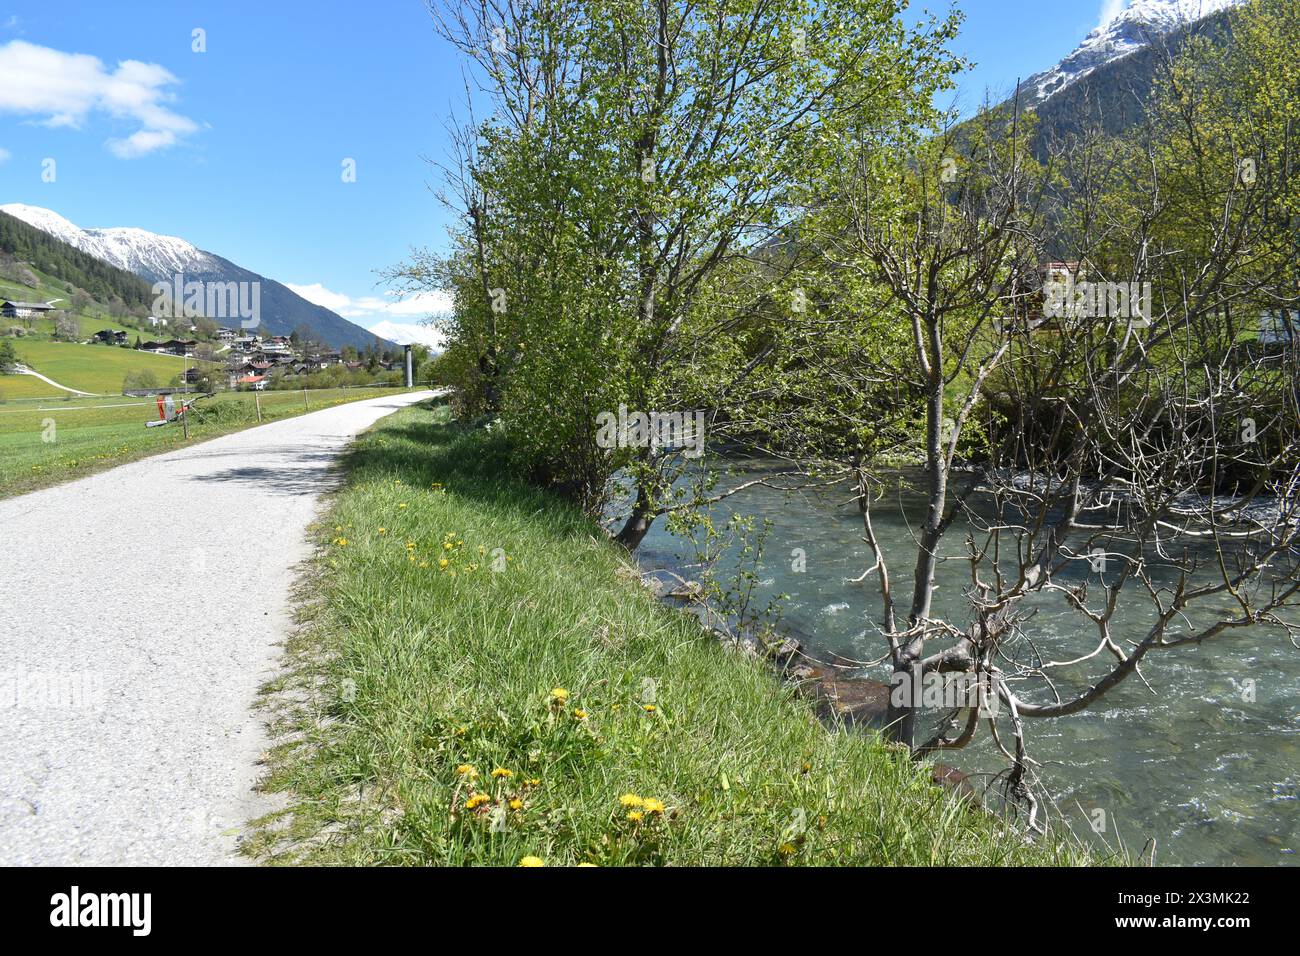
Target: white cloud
[(141, 142), (317, 293), (64, 89), (378, 312), (4, 154), (1110, 9), (406, 334)]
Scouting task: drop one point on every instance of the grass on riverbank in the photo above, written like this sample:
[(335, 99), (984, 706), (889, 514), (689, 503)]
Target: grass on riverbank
[(452, 703), (46, 442)]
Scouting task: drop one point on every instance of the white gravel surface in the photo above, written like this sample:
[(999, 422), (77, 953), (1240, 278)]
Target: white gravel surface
[(140, 611)]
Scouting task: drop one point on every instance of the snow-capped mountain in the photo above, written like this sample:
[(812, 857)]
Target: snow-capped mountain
[(157, 258), (148, 255), (1133, 29)]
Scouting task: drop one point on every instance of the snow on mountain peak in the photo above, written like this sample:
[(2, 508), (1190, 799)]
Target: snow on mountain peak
[(46, 220), (145, 253), (1131, 30)]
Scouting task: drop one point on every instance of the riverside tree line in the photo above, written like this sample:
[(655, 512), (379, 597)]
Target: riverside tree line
[(758, 210)]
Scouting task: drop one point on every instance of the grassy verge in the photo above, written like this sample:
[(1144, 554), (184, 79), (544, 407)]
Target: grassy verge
[(46, 442), (452, 703)]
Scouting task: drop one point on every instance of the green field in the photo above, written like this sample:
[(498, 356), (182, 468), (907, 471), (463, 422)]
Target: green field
[(26, 386), (87, 368), (91, 368), (47, 441)]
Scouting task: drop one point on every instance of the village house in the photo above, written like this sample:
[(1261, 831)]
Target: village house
[(25, 310), (109, 337), (183, 347)]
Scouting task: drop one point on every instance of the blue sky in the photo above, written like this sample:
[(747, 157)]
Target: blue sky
[(240, 149)]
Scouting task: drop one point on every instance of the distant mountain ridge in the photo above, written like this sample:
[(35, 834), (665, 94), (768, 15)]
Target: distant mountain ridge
[(1114, 97), (158, 258), (1134, 29)]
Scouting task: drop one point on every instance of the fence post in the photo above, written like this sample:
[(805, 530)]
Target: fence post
[(304, 398), (257, 400)]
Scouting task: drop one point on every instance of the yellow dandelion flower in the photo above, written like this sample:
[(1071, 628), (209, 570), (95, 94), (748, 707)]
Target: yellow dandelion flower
[(653, 806), (443, 562), (532, 861), (635, 816), (786, 849), (559, 694), (579, 713), (533, 782), (466, 769), (631, 800), (502, 772), (447, 545), (516, 804), (476, 801), (581, 865), (649, 708), (383, 531), (402, 505)]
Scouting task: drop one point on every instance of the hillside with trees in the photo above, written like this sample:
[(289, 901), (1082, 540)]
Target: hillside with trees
[(23, 244)]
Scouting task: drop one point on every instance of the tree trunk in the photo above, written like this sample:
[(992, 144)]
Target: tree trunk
[(638, 522), (901, 719)]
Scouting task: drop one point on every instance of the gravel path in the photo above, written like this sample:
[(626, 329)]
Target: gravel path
[(140, 611)]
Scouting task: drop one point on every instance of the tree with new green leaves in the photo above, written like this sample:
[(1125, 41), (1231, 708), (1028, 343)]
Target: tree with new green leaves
[(640, 159)]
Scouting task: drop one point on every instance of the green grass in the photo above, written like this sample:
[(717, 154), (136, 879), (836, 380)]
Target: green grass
[(27, 386), (45, 442), (405, 671), (93, 368)]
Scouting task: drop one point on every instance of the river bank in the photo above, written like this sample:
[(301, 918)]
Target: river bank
[(528, 699)]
